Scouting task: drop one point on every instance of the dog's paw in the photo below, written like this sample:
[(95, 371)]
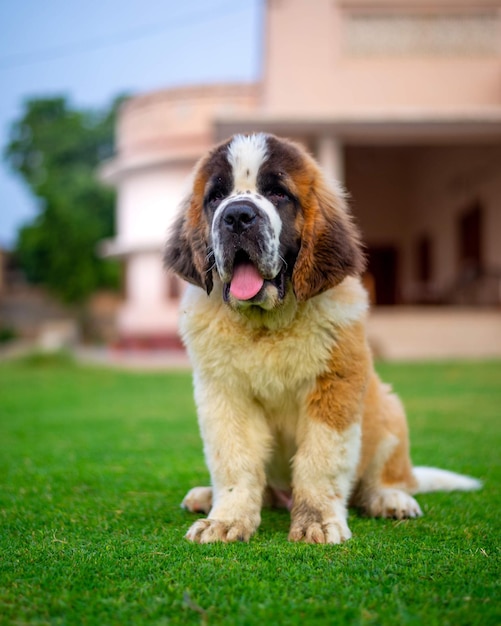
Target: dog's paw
[(198, 500), (314, 532), (211, 530), (393, 503)]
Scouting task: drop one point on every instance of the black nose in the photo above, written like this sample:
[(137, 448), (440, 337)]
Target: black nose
[(239, 216)]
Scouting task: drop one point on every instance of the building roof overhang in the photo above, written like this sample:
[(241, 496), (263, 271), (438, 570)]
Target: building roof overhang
[(112, 171), (117, 249), (409, 128)]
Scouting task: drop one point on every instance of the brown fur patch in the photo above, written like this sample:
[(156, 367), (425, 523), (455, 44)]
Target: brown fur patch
[(338, 396), (330, 242)]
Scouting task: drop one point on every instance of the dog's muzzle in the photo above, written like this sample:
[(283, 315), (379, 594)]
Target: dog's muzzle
[(246, 250)]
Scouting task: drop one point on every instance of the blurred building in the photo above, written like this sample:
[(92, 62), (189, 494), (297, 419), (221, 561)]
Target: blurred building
[(400, 99), (160, 136)]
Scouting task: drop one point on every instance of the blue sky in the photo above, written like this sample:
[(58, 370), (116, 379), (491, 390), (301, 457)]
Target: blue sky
[(93, 50)]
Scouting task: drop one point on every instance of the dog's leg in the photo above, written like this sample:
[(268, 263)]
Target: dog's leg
[(323, 472), (387, 480), (328, 446), (384, 492), (237, 444)]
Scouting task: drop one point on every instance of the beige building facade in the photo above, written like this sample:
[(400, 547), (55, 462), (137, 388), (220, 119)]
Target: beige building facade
[(159, 137), (399, 99)]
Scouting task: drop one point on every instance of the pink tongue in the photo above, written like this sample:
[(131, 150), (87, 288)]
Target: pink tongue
[(246, 282)]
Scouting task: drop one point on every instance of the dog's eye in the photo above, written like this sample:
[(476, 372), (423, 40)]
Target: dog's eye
[(215, 197), (276, 194)]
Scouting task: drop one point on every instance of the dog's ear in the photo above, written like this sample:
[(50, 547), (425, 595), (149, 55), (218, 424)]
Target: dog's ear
[(186, 249), (330, 243)]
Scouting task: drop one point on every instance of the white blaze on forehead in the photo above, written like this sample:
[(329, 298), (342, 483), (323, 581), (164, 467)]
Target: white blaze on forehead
[(246, 155)]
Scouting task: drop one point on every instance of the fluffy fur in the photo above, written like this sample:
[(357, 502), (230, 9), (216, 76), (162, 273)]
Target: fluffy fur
[(290, 409)]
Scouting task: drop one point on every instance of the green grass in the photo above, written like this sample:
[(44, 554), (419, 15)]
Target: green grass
[(94, 463)]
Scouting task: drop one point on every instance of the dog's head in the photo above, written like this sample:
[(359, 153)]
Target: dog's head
[(261, 219)]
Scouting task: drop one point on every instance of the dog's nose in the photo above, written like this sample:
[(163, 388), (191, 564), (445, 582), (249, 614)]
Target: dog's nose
[(239, 216)]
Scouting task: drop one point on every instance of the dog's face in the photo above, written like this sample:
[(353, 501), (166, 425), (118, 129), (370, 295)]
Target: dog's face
[(262, 221)]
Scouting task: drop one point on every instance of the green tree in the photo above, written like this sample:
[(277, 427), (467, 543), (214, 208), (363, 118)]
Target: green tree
[(56, 149)]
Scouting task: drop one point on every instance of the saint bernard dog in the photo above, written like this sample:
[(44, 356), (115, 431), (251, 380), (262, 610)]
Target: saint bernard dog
[(290, 408)]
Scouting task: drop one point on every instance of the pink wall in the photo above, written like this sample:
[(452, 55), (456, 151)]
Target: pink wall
[(319, 56)]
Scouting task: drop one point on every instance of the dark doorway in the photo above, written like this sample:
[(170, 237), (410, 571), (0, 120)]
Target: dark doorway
[(423, 273), (470, 240), (382, 274)]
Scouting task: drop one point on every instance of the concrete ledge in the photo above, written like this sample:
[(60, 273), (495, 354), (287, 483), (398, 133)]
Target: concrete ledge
[(412, 333)]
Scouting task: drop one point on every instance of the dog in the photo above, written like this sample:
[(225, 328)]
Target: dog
[(290, 409)]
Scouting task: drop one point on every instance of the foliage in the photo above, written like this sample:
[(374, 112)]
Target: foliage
[(7, 333), (94, 463), (56, 149)]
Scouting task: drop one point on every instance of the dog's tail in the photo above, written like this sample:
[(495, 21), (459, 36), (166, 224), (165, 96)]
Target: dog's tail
[(433, 479)]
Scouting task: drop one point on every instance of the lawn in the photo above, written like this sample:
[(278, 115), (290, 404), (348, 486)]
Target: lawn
[(94, 463)]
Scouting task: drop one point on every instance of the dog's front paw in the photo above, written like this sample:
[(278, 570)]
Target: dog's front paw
[(393, 503), (315, 532), (211, 530)]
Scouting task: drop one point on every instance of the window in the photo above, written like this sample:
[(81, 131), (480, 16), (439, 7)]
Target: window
[(425, 33)]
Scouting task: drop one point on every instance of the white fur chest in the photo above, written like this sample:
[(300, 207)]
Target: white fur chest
[(274, 366)]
